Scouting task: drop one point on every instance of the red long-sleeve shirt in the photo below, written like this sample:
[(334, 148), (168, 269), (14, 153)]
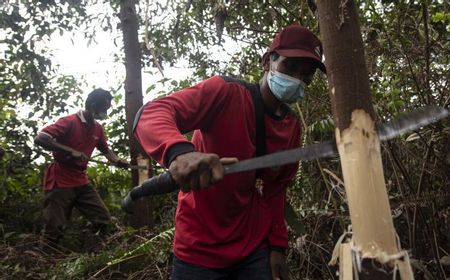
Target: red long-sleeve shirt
[(75, 132), (218, 226)]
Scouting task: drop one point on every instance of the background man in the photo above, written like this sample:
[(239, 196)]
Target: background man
[(235, 228), (72, 139)]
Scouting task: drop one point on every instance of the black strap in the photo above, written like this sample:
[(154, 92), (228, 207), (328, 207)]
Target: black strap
[(138, 116), (259, 119)]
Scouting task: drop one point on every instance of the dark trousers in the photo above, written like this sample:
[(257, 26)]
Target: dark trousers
[(59, 203), (254, 267)]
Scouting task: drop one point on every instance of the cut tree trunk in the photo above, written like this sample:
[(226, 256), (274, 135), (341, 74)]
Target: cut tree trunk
[(133, 99), (143, 204), (373, 244)]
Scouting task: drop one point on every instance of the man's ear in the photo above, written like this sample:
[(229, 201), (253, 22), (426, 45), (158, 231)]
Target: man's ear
[(92, 107), (266, 61)]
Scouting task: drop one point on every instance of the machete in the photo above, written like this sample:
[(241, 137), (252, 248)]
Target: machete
[(132, 167), (164, 183)]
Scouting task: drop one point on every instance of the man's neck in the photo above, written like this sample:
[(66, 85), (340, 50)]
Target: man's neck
[(88, 116), (273, 105)]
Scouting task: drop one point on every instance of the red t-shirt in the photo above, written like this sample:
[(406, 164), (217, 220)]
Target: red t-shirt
[(219, 226), (75, 132)]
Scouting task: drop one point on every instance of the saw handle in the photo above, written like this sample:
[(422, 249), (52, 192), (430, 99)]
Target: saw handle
[(161, 184)]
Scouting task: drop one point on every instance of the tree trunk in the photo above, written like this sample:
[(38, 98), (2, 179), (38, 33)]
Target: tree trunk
[(133, 99), (374, 238)]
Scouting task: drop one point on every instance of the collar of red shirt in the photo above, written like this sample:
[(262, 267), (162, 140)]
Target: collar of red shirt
[(81, 116)]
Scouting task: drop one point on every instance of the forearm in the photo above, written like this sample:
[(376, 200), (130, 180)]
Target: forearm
[(278, 237), (157, 116), (164, 121), (112, 157), (48, 143)]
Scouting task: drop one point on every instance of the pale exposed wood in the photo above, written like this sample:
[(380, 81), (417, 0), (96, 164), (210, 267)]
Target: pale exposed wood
[(143, 173), (372, 224), (359, 150), (345, 264)]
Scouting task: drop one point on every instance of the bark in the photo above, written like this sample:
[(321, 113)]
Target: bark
[(133, 97), (373, 234)]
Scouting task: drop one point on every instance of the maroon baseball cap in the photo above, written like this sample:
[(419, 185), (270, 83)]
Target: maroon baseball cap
[(298, 41)]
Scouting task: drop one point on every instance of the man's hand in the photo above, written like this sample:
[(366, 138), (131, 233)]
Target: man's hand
[(194, 170), (121, 163), (278, 266)]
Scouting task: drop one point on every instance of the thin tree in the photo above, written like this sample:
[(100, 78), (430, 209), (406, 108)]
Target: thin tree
[(133, 100), (373, 244)]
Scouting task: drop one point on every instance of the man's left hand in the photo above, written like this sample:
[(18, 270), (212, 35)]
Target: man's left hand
[(278, 266), (121, 163)]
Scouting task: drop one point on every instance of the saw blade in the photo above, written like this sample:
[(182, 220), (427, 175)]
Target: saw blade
[(408, 122), (411, 121)]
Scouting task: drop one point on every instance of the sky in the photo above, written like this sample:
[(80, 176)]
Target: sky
[(95, 62), (93, 65)]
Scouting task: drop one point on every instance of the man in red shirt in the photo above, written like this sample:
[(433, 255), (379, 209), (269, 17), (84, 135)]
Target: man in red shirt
[(73, 139), (232, 227)]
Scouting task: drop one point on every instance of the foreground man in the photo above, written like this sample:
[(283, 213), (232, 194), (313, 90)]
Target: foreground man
[(232, 227)]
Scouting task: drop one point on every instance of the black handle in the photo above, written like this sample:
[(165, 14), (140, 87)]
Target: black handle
[(161, 184)]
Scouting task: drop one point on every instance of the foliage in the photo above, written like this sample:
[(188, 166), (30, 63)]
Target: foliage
[(154, 250), (31, 90), (407, 46)]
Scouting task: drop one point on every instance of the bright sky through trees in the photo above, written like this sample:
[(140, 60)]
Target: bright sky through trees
[(95, 63)]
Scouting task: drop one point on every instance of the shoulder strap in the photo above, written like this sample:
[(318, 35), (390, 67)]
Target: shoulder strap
[(259, 119)]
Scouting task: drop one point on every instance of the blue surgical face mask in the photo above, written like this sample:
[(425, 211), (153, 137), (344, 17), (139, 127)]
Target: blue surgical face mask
[(285, 88)]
